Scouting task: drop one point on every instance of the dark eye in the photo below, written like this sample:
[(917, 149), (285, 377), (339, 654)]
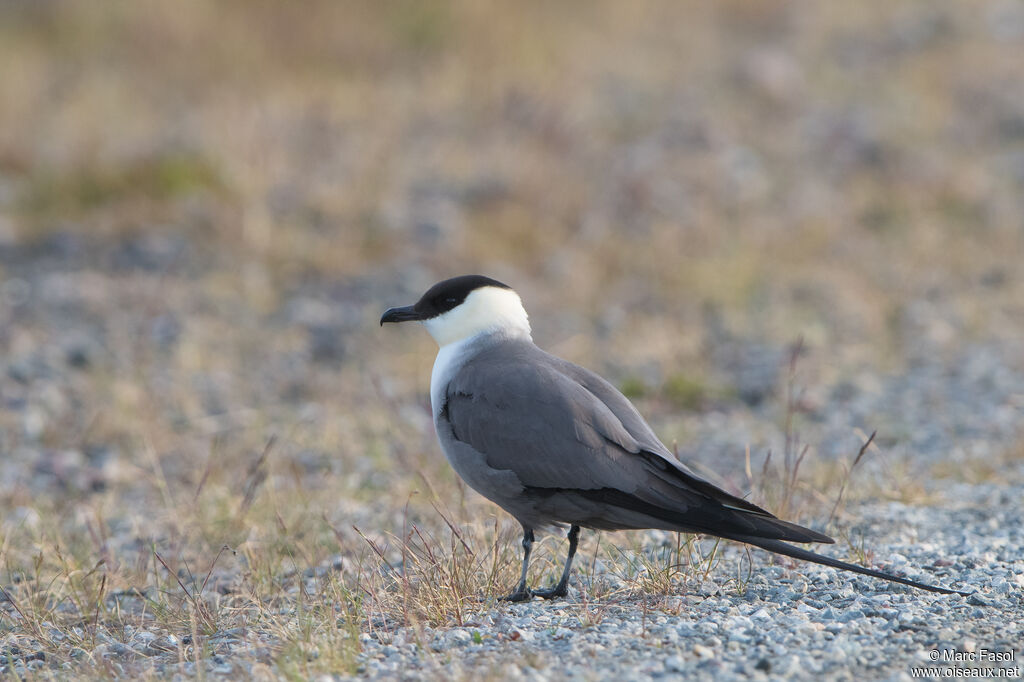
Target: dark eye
[(445, 302)]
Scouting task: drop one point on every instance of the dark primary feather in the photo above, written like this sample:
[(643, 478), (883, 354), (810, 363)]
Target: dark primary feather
[(780, 547), (584, 454)]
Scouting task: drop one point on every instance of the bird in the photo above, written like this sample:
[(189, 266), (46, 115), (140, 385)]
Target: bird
[(556, 445)]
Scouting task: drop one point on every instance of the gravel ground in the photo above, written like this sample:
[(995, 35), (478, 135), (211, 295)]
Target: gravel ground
[(800, 623)]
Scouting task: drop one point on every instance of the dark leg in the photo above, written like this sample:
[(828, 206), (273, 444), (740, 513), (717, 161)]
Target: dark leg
[(562, 588), (522, 593)]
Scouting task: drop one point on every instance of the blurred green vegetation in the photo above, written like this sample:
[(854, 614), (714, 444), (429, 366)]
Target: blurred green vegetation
[(685, 392), (50, 197)]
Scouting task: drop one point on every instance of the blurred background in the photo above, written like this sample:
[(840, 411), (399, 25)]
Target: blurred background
[(205, 207)]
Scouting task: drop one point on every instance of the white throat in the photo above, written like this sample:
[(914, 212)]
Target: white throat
[(485, 310)]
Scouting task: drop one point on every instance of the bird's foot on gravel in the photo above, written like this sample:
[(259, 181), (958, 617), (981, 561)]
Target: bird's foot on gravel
[(521, 594), (552, 592)]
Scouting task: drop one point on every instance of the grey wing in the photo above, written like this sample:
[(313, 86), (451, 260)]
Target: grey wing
[(618, 404), (530, 419), (572, 439)]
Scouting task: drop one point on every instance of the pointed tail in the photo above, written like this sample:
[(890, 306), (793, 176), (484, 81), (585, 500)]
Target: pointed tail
[(783, 548)]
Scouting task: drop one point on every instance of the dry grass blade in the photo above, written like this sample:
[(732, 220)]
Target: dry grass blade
[(376, 550), (849, 472), (795, 472), (14, 603), (454, 529), (99, 604), (199, 608), (254, 478), (213, 563)]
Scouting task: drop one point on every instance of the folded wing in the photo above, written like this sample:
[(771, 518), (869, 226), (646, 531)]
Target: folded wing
[(581, 448)]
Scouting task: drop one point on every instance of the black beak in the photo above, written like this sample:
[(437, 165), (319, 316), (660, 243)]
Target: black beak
[(404, 314)]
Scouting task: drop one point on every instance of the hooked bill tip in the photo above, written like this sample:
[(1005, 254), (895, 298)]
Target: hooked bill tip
[(402, 314)]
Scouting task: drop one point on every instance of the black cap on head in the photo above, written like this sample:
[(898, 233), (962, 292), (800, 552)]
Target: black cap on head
[(441, 298)]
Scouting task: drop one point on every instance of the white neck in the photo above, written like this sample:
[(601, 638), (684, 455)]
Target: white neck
[(485, 310)]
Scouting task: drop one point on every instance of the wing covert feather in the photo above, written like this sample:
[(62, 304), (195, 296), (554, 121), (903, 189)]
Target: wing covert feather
[(529, 419), (557, 425)]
